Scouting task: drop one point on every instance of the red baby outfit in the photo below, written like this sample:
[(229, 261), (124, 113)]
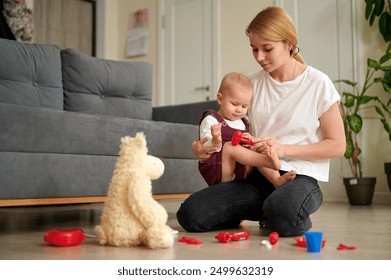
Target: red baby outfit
[(211, 169)]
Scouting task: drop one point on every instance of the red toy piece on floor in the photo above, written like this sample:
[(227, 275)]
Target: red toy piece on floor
[(65, 237), (300, 242), (273, 237), (345, 247), (190, 240), (225, 237)]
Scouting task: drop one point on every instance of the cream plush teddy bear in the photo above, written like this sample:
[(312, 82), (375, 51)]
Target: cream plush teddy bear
[(131, 217)]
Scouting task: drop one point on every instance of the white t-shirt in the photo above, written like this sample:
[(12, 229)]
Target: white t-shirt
[(290, 112)]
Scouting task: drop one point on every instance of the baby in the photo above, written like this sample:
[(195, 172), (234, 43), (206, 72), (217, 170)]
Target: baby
[(228, 162)]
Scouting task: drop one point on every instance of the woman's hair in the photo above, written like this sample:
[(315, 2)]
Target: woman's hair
[(274, 24)]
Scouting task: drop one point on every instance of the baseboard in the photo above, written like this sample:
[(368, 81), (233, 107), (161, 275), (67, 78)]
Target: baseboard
[(75, 200), (382, 198)]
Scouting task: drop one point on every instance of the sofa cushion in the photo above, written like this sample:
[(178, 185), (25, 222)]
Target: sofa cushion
[(30, 74), (45, 175), (100, 86), (33, 130)]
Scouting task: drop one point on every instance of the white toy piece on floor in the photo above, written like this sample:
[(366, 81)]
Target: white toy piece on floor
[(131, 217)]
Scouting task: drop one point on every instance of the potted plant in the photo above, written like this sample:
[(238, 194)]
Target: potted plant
[(360, 189), (379, 9)]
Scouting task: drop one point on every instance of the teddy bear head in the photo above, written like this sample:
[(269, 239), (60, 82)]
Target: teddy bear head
[(135, 151)]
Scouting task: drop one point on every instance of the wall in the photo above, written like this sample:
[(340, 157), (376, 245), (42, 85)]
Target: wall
[(113, 19), (236, 52), (107, 29)]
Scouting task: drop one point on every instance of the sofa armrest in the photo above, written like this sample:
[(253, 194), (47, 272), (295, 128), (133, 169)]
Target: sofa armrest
[(183, 113)]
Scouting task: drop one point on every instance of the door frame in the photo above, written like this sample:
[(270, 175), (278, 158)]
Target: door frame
[(215, 71)]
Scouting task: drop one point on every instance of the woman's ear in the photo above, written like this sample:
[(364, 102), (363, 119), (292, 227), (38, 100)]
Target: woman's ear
[(289, 47)]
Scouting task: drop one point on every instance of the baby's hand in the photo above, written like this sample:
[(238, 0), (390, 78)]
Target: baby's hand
[(216, 135), (247, 135)]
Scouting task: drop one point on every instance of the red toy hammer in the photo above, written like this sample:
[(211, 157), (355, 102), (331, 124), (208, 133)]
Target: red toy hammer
[(237, 138)]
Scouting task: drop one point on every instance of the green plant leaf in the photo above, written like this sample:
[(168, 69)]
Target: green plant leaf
[(349, 99), (379, 6), (384, 25), (387, 77), (372, 18), (349, 149), (368, 8), (385, 58), (359, 168), (355, 123), (348, 82), (385, 108), (365, 99), (346, 127), (380, 112), (386, 126), (386, 87), (371, 63)]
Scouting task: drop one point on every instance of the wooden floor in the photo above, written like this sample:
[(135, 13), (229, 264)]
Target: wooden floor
[(368, 228)]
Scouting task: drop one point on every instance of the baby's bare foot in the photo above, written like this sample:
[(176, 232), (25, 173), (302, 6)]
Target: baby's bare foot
[(289, 176), (274, 161)]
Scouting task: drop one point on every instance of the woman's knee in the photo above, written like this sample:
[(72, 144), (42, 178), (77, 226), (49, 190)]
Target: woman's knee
[(218, 206), (287, 210), (186, 216)]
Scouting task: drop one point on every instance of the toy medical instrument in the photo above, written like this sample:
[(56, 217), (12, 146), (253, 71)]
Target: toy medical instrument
[(273, 237), (65, 237), (190, 240), (237, 138), (225, 237)]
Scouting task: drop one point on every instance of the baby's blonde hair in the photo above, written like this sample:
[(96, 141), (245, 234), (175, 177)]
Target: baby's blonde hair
[(234, 79), (274, 24)]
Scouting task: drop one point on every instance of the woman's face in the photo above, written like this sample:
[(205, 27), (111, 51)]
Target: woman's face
[(270, 55)]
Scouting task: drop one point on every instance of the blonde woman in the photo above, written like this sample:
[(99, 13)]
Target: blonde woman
[(295, 109)]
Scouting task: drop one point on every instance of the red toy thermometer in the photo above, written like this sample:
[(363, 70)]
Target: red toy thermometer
[(65, 237), (225, 237)]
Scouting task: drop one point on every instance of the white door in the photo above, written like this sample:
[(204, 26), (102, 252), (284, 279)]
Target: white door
[(185, 51)]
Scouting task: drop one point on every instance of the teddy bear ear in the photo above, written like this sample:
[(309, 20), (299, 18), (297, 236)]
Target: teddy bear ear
[(125, 139), (140, 139)]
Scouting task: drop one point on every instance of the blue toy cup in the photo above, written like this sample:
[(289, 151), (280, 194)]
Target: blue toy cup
[(313, 241)]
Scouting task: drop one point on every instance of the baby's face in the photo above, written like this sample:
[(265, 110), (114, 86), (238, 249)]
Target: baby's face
[(234, 103)]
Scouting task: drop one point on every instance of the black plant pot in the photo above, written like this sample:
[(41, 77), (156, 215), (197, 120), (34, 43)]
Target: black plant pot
[(387, 169), (360, 191)]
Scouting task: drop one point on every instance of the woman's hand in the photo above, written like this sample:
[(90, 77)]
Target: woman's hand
[(264, 144), (202, 153)]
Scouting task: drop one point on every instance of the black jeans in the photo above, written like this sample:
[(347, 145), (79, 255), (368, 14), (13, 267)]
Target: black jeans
[(223, 206)]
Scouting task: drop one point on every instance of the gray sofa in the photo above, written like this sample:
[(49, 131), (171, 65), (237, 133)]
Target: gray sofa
[(62, 114)]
